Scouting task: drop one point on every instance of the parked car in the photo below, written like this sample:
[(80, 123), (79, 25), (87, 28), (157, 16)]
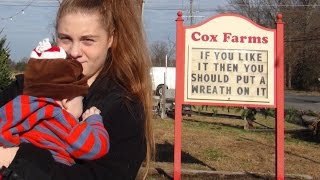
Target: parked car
[(186, 110), (158, 75)]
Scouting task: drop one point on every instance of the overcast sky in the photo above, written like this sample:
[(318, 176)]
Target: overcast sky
[(33, 20)]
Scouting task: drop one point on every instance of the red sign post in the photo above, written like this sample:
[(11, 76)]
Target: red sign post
[(280, 99), (229, 60)]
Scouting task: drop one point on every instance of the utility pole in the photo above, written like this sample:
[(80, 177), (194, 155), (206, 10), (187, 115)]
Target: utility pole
[(191, 12), (140, 4), (142, 8), (164, 96)]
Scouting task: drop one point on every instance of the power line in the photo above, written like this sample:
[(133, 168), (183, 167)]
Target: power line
[(147, 6), (26, 1), (278, 5), (19, 12), (178, 9), (33, 5), (214, 10), (10, 3)]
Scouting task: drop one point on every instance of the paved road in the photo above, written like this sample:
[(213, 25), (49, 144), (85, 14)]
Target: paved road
[(302, 102)]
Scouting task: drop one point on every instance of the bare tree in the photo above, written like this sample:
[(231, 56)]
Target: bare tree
[(302, 34), (302, 43), (262, 12), (159, 50)]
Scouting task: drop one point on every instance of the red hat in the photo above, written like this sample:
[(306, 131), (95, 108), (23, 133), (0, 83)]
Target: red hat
[(49, 74)]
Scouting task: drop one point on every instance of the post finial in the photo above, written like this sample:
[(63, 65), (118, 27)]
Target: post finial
[(279, 17), (179, 18)]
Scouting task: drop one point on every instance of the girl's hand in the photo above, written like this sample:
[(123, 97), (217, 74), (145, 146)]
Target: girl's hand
[(7, 155), (91, 111)]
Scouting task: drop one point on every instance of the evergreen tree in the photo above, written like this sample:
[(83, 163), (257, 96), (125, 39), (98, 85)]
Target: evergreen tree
[(5, 72)]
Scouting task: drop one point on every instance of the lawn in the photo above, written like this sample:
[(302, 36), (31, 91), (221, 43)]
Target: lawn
[(221, 144)]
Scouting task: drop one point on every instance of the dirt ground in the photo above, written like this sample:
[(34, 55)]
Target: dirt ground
[(215, 144)]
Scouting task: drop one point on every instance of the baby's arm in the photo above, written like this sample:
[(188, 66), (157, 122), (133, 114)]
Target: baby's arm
[(89, 139)]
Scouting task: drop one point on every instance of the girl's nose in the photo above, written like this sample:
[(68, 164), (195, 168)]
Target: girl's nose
[(75, 51)]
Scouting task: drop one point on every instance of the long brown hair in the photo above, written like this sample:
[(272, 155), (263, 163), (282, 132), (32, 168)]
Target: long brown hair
[(128, 61)]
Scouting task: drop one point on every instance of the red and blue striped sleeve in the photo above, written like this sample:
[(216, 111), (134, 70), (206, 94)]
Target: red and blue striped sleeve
[(88, 139)]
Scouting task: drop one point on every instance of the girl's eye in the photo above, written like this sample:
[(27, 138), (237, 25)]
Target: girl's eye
[(64, 39), (88, 42)]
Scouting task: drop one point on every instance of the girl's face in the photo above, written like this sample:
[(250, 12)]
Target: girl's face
[(84, 39)]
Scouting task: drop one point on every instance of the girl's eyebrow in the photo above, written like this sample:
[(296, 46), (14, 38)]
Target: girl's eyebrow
[(61, 34), (89, 36)]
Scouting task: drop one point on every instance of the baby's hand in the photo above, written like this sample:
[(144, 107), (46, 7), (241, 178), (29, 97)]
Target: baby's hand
[(91, 111)]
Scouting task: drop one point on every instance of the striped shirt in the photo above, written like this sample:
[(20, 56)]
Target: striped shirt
[(42, 122)]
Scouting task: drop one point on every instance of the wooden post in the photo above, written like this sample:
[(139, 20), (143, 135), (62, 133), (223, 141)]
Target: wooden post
[(245, 121), (280, 98), (163, 98)]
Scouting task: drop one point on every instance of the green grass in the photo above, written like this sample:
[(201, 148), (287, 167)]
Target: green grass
[(222, 143), (215, 154)]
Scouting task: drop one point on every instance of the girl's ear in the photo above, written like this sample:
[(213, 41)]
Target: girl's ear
[(64, 103), (110, 41)]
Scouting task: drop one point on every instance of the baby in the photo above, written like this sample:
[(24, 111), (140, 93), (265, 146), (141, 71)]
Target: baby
[(40, 86), (47, 113)]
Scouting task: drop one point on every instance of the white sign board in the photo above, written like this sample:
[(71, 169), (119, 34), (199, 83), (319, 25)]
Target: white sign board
[(229, 59)]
